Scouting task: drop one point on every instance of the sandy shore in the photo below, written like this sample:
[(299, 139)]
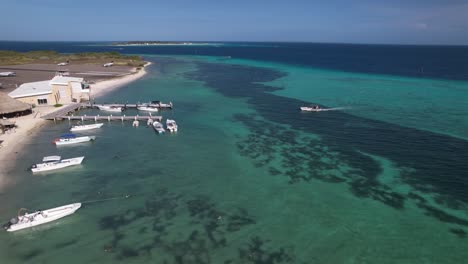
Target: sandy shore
[(103, 87), (13, 141)]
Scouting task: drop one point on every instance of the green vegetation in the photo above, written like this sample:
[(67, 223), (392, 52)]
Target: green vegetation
[(47, 56), (58, 105)]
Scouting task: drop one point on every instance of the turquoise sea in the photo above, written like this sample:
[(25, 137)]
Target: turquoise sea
[(250, 179)]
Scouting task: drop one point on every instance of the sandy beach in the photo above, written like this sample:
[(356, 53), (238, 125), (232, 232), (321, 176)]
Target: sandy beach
[(103, 87), (14, 140)]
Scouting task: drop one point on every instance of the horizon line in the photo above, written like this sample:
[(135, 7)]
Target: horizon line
[(249, 41)]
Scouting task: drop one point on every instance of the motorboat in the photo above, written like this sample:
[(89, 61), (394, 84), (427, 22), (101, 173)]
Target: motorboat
[(110, 108), (86, 127), (69, 139), (158, 127), (171, 125), (40, 217), (148, 108), (161, 104), (54, 163), (314, 108)]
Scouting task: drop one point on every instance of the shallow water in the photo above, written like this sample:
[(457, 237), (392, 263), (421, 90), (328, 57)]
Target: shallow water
[(250, 179)]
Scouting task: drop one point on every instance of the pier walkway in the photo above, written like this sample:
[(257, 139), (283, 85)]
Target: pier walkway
[(63, 111), (108, 117)]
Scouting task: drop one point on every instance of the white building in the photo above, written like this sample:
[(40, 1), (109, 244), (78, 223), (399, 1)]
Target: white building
[(59, 90)]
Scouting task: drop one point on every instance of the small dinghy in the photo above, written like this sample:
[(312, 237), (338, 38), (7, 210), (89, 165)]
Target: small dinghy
[(158, 127), (69, 139), (148, 108), (40, 217), (171, 125), (54, 163), (86, 127), (110, 108)]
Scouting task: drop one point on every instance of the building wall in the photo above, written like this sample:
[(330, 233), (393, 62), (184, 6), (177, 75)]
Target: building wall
[(33, 100), (62, 93)]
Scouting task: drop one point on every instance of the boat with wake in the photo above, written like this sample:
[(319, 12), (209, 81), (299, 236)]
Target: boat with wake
[(171, 125), (69, 139), (158, 127), (54, 163), (86, 127), (40, 217), (110, 108), (314, 108)]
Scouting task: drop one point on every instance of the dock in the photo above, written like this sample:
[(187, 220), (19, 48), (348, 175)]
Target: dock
[(107, 117), (65, 112), (158, 105)]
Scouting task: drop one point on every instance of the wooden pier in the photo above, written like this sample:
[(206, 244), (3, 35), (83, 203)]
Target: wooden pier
[(64, 113), (108, 117), (157, 105)]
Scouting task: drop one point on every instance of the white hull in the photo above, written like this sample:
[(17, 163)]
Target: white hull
[(171, 125), (69, 141), (86, 127), (42, 217), (310, 109), (48, 166), (110, 108), (148, 109), (158, 127)]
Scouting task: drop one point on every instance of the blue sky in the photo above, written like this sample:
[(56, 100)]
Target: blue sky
[(352, 21)]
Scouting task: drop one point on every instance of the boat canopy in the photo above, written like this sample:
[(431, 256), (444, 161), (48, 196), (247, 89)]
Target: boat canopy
[(51, 158), (68, 136)]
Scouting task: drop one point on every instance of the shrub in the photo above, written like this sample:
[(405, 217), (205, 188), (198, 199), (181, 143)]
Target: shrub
[(58, 105)]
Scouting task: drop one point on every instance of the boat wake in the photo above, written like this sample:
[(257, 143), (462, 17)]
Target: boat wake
[(335, 109)]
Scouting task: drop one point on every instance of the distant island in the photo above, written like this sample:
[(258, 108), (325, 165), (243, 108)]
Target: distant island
[(163, 43)]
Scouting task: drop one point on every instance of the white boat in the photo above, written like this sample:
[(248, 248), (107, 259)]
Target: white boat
[(86, 127), (110, 108), (148, 108), (171, 125), (54, 163), (69, 139), (314, 108), (40, 217), (158, 127), (161, 104)]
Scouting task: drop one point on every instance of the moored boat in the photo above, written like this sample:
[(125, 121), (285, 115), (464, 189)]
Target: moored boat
[(158, 127), (148, 108), (69, 139), (171, 125), (86, 127), (110, 108), (54, 163), (40, 217), (161, 104)]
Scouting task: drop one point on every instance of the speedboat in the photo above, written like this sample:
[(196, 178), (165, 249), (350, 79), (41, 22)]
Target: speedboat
[(86, 127), (40, 217), (110, 108), (158, 127), (68, 139), (148, 108), (54, 163), (171, 125), (161, 104), (314, 108)]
